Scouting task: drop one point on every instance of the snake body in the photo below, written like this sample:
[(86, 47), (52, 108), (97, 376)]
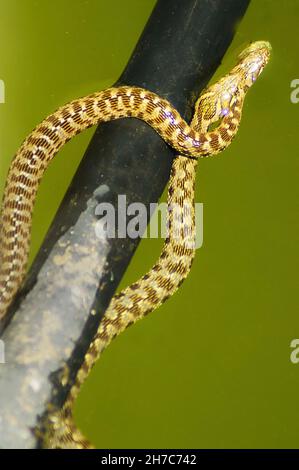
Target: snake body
[(221, 102)]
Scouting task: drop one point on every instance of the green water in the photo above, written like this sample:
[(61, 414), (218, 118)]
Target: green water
[(211, 368)]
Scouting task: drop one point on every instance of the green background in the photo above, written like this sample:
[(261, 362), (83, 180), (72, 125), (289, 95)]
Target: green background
[(210, 368)]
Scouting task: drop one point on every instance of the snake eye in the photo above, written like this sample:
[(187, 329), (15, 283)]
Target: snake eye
[(224, 112), (254, 58), (255, 68)]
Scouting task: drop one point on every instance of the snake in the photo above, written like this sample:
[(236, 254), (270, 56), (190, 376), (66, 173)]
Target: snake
[(215, 122)]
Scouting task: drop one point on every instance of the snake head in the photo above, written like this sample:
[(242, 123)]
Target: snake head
[(253, 60), (220, 99)]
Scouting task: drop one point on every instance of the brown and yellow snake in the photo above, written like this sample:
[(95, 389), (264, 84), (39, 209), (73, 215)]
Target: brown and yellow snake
[(221, 105)]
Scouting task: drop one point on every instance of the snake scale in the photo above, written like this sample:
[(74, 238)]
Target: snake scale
[(215, 122)]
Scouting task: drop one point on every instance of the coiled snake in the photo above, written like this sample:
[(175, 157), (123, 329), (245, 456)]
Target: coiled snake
[(221, 102)]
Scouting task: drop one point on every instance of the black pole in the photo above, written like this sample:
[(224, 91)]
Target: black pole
[(75, 274)]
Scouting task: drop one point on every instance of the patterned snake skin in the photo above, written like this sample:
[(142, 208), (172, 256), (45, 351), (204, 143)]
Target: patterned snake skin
[(220, 105)]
